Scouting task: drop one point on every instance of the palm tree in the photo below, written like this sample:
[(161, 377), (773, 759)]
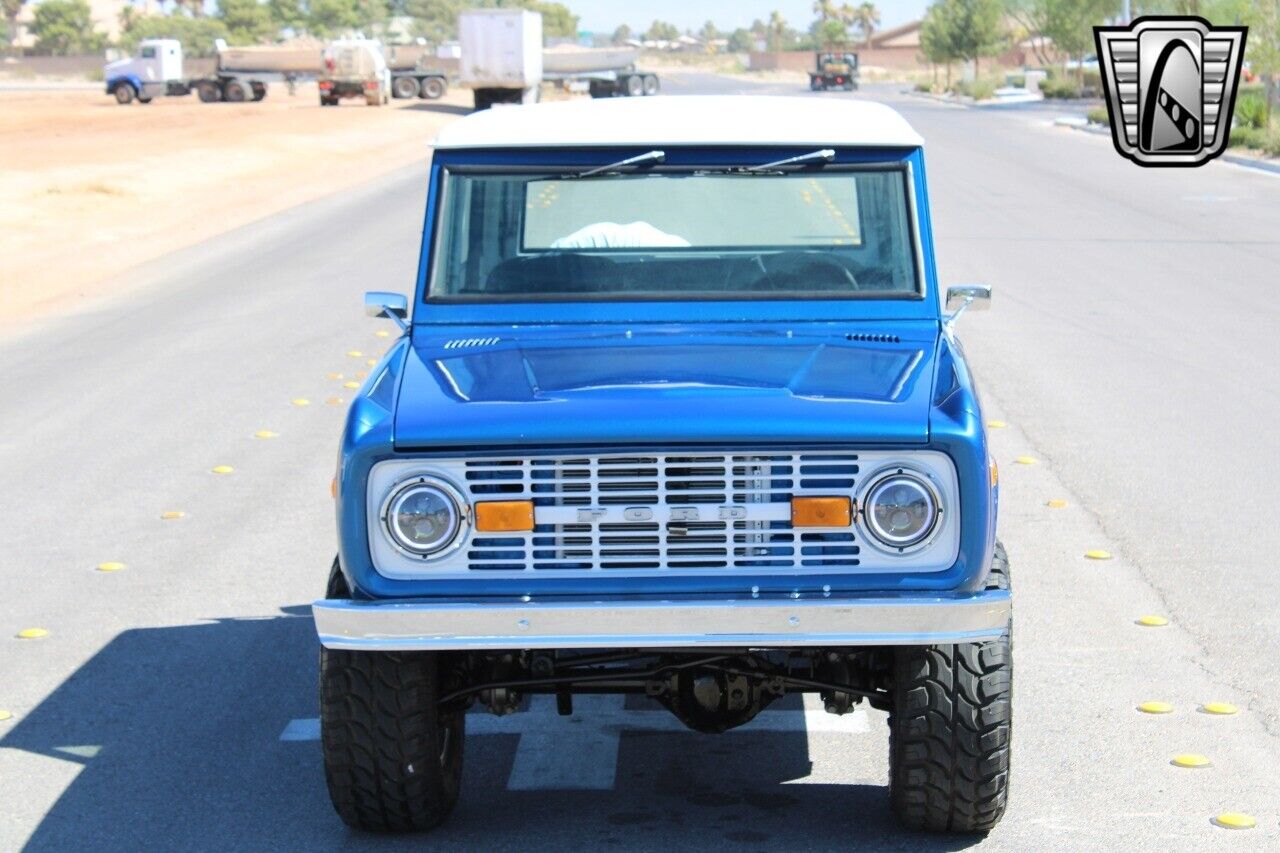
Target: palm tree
[(865, 18), (777, 30), (825, 10)]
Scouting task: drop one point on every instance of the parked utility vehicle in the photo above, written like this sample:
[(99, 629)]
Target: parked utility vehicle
[(354, 68), (680, 412), (834, 71)]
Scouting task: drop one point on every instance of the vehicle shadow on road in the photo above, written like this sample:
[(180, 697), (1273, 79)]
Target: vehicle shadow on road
[(431, 107), (177, 731)]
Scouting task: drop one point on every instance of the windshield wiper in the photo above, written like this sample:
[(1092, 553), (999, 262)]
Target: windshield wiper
[(819, 157), (648, 158)]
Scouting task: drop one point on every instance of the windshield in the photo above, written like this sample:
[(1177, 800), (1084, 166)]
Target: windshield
[(669, 235)]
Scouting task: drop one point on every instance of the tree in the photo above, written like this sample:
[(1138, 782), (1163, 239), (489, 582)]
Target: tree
[(662, 31), (287, 14), (11, 9), (709, 33), (825, 10), (972, 28), (65, 27), (557, 20), (935, 40), (1263, 48), (434, 20), (622, 34), (741, 41), (865, 18), (196, 34), (248, 21), (1069, 24), (328, 18), (778, 30), (831, 32)]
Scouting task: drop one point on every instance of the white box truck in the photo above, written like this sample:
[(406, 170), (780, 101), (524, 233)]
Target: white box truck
[(501, 55)]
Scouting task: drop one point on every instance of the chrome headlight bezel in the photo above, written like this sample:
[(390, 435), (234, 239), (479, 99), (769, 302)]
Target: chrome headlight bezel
[(877, 483), (401, 490)]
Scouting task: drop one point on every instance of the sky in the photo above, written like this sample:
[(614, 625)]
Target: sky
[(605, 15)]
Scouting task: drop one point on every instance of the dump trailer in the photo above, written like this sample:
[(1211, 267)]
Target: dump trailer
[(501, 55), (607, 72), (240, 73)]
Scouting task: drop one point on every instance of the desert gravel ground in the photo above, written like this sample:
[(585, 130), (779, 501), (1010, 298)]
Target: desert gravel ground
[(92, 188)]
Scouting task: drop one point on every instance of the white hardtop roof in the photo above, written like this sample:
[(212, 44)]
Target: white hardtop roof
[(684, 120)]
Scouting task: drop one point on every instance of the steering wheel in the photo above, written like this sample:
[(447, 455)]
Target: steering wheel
[(800, 266)]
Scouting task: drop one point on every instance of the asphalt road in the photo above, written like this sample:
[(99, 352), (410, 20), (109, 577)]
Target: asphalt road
[(1128, 352)]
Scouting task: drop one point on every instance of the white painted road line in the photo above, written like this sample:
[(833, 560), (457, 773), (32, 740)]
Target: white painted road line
[(580, 752)]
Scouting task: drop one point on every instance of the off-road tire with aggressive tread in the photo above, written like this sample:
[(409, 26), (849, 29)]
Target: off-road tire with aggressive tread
[(950, 730), (392, 759)]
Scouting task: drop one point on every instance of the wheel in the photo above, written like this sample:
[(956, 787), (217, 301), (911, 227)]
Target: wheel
[(144, 99), (328, 100), (848, 86), (392, 758), (432, 88), (404, 87), (650, 84), (233, 93), (815, 84), (950, 730), (125, 93), (208, 92), (483, 99), (374, 100), (259, 91), (634, 86)]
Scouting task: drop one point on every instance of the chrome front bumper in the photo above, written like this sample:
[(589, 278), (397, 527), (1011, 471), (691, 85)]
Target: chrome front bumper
[(905, 620)]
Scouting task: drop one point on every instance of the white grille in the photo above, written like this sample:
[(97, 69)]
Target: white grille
[(678, 511), (682, 512)]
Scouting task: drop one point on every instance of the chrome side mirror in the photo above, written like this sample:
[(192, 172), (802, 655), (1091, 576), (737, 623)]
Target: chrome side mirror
[(393, 306), (964, 296)]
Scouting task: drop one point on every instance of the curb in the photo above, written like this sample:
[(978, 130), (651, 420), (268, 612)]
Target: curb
[(1272, 166)]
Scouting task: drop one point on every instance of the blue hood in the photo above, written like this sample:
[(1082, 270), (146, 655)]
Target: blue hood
[(567, 385)]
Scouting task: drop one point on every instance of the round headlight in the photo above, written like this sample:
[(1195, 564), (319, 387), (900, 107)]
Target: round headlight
[(901, 510), (422, 517)]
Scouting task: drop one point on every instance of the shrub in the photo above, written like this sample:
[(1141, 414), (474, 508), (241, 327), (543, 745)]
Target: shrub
[(1251, 111), (924, 87), (979, 90), (1059, 87), (1098, 115), (1267, 141)]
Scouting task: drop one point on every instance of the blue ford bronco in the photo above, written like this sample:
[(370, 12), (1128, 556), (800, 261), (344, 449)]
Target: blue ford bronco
[(678, 411)]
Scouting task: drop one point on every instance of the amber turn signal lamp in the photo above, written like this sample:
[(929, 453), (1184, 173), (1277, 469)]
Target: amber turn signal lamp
[(821, 512), (497, 516)]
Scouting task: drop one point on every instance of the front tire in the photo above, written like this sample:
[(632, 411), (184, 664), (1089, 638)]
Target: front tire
[(950, 730), (392, 757), (125, 93), (234, 93)]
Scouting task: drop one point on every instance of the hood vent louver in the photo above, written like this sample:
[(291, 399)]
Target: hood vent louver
[(865, 337), (467, 343)]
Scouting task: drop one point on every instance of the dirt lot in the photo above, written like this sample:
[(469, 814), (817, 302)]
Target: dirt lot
[(92, 189)]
